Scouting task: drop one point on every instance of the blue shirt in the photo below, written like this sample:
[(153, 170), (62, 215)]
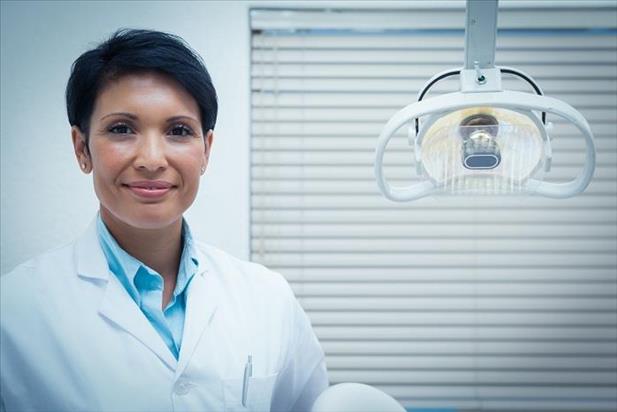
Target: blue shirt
[(145, 285)]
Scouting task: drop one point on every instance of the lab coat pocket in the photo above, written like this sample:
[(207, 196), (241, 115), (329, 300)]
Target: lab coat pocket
[(258, 394)]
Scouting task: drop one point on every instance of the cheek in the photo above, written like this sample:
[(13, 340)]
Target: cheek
[(189, 161), (108, 162), (189, 167)]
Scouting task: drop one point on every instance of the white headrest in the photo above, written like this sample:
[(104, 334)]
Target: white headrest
[(355, 397)]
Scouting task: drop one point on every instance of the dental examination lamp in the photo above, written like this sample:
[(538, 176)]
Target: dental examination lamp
[(482, 140)]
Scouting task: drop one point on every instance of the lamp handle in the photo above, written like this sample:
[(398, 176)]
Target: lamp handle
[(580, 183), (400, 193)]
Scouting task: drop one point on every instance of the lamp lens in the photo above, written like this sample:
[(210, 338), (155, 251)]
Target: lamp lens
[(483, 150)]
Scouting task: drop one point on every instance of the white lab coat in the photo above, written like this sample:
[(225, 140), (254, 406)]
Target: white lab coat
[(72, 339)]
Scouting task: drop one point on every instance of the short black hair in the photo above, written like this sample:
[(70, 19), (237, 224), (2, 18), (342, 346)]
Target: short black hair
[(132, 51)]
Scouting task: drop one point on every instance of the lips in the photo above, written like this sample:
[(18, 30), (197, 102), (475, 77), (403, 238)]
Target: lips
[(149, 189), (150, 184)]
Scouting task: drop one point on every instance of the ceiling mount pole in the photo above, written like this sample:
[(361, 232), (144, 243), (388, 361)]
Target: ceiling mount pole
[(480, 34)]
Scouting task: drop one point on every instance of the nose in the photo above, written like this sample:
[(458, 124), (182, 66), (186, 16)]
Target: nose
[(151, 155)]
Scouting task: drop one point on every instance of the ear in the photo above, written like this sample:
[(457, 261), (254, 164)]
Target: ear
[(81, 150), (208, 139)]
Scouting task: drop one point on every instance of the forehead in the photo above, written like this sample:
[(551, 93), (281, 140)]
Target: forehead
[(143, 93)]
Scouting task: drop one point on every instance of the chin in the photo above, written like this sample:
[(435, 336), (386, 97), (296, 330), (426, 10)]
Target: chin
[(147, 216), (152, 221)]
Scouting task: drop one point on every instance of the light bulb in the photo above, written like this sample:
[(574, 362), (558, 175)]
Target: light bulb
[(480, 150)]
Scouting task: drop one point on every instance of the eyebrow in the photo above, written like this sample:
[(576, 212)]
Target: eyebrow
[(174, 118), (134, 117), (131, 115)]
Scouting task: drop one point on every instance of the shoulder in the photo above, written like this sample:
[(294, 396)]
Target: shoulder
[(238, 269), (37, 279), (244, 277), (33, 285), (46, 267)]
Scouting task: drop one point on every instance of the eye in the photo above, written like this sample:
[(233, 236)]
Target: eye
[(120, 128), (181, 130)]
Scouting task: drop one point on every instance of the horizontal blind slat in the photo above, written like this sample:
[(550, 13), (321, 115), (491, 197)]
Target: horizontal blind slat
[(319, 211), (376, 114), (401, 348), (470, 318), (414, 71), (506, 57), (306, 188), (422, 19), (325, 172), (480, 303), (373, 128), (417, 392), (479, 377), (506, 274), (607, 85), (442, 332), (325, 245), (446, 259), (404, 230), (414, 289), (395, 101), (424, 41), (468, 362)]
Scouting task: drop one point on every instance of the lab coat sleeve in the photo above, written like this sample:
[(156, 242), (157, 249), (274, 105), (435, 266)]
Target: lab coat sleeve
[(304, 375), (316, 384)]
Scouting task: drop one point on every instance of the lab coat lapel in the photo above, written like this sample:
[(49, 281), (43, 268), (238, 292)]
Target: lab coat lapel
[(201, 304), (117, 305)]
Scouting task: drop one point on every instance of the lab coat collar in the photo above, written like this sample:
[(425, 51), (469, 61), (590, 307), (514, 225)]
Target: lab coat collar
[(89, 258), (118, 307)]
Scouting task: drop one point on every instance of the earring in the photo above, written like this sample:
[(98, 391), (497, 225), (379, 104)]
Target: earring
[(83, 166), (203, 169)]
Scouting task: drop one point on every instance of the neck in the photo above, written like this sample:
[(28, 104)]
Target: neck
[(159, 248)]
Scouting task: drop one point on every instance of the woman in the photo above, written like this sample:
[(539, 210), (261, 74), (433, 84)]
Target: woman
[(136, 315)]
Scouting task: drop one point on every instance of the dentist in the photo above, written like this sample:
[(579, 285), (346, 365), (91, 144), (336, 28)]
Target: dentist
[(136, 315)]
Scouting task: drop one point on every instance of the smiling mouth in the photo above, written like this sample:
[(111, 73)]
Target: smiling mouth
[(149, 191)]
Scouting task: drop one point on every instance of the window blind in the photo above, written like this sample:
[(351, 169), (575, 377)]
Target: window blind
[(489, 303)]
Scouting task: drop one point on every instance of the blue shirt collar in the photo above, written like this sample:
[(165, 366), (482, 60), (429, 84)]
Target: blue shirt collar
[(126, 267)]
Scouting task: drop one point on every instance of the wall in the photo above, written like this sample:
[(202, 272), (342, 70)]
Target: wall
[(46, 200)]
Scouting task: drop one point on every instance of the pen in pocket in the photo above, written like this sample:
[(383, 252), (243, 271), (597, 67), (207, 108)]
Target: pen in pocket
[(248, 372)]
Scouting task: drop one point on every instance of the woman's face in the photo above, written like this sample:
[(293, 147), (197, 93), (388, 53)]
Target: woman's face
[(147, 150)]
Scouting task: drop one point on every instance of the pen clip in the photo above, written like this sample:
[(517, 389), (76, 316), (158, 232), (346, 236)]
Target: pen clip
[(248, 372)]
